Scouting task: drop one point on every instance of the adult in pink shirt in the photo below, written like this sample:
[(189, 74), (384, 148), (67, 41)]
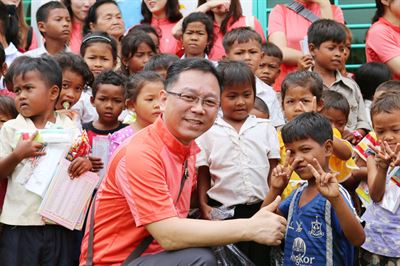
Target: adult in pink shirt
[(78, 10), (286, 29), (163, 15), (383, 38)]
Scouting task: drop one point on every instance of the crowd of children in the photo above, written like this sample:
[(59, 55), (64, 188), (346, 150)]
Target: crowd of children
[(327, 141)]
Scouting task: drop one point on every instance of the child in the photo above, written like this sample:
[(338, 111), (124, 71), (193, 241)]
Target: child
[(149, 30), (142, 95), (198, 35), (160, 63), (54, 23), (270, 65), (136, 50), (260, 109), (109, 100), (326, 39), (75, 77), (36, 84), (237, 154), (100, 52), (9, 38), (346, 52), (322, 226), (244, 44), (382, 217)]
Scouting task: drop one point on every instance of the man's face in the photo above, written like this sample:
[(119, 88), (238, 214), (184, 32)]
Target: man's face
[(188, 120)]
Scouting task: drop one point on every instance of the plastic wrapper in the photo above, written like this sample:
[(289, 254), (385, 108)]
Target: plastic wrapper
[(80, 147)]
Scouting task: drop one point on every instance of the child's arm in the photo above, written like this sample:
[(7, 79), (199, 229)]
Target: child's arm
[(272, 164), (25, 149), (341, 150), (328, 186), (79, 166), (97, 164), (203, 185)]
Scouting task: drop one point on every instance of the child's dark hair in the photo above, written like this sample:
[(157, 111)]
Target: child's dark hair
[(7, 106), (2, 56), (241, 35), (160, 61), (236, 73), (109, 77), (335, 100), (308, 125), (146, 28), (8, 77), (92, 14), (136, 82), (273, 50), (324, 30), (305, 79), (9, 23), (207, 22), (234, 14), (385, 103), (171, 11), (129, 45), (390, 85), (261, 106), (46, 66), (76, 64), (369, 76), (99, 36), (42, 14)]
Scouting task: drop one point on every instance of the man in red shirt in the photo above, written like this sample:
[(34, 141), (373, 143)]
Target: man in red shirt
[(149, 182)]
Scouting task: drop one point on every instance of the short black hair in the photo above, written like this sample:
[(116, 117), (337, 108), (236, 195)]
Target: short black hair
[(160, 61), (240, 35), (308, 125), (109, 77), (335, 100), (261, 106), (8, 77), (2, 55), (206, 20), (369, 76), (137, 81), (187, 64), (236, 73), (42, 14), (324, 30), (76, 64), (385, 103), (99, 36), (7, 106), (273, 50), (91, 16), (45, 65), (305, 79)]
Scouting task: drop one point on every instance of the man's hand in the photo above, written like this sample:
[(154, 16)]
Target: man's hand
[(29, 148), (327, 183)]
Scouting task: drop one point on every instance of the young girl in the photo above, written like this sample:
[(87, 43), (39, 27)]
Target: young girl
[(151, 31), (163, 15), (198, 35), (383, 38), (99, 51), (142, 95), (136, 50)]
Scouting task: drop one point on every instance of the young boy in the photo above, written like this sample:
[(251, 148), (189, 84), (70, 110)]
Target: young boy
[(160, 63), (260, 109), (108, 98), (322, 226), (237, 154), (54, 23), (26, 239), (244, 44), (270, 64), (326, 39)]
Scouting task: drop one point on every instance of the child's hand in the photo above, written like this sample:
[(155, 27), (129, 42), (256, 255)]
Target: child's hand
[(383, 156), (281, 174), (327, 183), (29, 148), (354, 137), (79, 166), (305, 62), (205, 211), (309, 108), (97, 164)]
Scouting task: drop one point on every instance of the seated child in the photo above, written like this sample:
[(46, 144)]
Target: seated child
[(160, 63), (26, 239), (142, 98), (245, 44), (260, 109), (237, 154), (382, 217), (322, 225), (270, 64)]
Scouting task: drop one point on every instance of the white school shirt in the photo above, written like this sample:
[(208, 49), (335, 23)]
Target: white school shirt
[(41, 51), (238, 162), (268, 95)]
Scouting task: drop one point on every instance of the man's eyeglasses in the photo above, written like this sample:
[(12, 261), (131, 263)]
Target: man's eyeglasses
[(193, 99)]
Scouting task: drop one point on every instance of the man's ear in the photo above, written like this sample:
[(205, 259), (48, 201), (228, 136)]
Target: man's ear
[(163, 100), (328, 146), (91, 26)]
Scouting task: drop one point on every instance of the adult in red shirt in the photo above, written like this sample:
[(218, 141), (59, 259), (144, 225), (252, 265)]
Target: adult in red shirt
[(138, 196)]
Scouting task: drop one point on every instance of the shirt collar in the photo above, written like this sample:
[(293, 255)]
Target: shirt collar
[(386, 22), (340, 78), (173, 144)]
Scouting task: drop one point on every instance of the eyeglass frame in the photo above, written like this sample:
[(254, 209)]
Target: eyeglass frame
[(196, 99)]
